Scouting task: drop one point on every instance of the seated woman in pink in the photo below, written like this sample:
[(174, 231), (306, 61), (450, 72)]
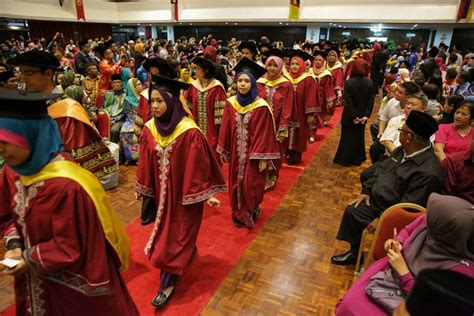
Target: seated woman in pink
[(455, 137), (439, 240)]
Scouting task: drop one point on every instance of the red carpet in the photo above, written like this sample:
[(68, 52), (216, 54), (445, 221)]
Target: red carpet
[(220, 246)]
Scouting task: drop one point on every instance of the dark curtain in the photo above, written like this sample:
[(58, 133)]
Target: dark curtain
[(48, 29)]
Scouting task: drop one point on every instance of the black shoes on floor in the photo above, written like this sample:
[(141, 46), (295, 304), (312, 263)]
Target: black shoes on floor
[(347, 258)]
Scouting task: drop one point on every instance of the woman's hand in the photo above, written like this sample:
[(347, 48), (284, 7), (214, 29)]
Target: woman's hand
[(19, 269), (262, 165), (398, 263), (213, 202), (393, 244)]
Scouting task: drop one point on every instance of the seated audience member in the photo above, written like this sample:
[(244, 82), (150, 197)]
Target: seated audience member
[(445, 291), (459, 169), (432, 92), (457, 136), (393, 109), (390, 138), (91, 83), (114, 105), (450, 106), (410, 175), (441, 239), (464, 81), (449, 83)]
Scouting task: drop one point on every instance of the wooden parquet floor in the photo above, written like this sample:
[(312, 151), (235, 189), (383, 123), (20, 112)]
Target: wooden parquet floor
[(286, 270)]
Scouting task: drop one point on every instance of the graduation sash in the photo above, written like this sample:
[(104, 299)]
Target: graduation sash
[(337, 65), (185, 124), (113, 229), (272, 83), (257, 103), (321, 75), (212, 84), (69, 108), (294, 81)]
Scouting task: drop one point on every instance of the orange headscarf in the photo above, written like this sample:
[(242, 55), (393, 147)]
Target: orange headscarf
[(302, 67)]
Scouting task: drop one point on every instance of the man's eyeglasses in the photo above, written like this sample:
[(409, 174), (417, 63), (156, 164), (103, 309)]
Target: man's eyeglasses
[(404, 130)]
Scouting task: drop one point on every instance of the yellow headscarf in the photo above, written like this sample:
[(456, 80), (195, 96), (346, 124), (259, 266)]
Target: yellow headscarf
[(181, 76)]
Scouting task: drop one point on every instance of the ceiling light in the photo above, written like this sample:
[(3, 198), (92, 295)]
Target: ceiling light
[(235, 23), (287, 23), (190, 24), (280, 23), (226, 22), (340, 25)]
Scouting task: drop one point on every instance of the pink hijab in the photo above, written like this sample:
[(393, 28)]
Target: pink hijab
[(279, 62)]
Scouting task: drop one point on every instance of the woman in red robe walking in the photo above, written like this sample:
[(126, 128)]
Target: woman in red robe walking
[(176, 173), (206, 98), (248, 142), (56, 220), (278, 92), (325, 93), (306, 105), (337, 72)]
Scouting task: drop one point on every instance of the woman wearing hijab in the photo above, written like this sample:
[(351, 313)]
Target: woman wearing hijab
[(306, 105), (278, 92), (185, 76), (129, 133), (66, 80), (176, 173), (358, 105), (443, 239), (325, 92), (56, 220), (337, 71), (247, 140), (206, 98)]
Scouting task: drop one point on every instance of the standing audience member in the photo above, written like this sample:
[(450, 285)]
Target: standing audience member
[(358, 105), (91, 83), (83, 58), (107, 69)]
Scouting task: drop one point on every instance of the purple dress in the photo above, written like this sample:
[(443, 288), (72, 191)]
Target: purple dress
[(356, 301)]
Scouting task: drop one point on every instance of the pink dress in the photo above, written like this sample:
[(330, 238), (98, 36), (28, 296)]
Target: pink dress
[(356, 302), (452, 140)]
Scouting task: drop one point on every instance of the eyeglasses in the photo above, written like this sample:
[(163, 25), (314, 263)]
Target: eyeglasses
[(404, 130)]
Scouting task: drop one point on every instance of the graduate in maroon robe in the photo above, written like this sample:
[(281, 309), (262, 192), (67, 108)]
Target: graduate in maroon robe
[(177, 172), (248, 142), (154, 66), (335, 67), (56, 220), (206, 98), (306, 105), (277, 90), (325, 93)]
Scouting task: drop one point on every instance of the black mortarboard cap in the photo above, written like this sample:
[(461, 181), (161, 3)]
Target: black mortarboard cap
[(302, 54), (246, 65), (4, 76), (421, 124), (275, 52), (38, 59), (204, 63), (335, 49), (171, 85), (21, 104), (251, 46), (264, 45), (116, 77), (320, 53), (101, 48), (163, 66), (441, 292), (307, 45)]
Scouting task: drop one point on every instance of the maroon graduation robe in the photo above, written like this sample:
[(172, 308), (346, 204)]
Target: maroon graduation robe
[(207, 106), (305, 104), (247, 136), (279, 95), (73, 268), (180, 175), (325, 93)]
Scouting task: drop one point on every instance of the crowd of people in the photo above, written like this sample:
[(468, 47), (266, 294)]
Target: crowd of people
[(181, 111)]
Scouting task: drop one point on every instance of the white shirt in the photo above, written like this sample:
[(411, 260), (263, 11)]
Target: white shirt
[(391, 132), (392, 109)]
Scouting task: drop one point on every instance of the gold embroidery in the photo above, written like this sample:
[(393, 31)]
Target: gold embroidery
[(77, 153), (218, 112), (106, 171), (96, 160), (202, 111)]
